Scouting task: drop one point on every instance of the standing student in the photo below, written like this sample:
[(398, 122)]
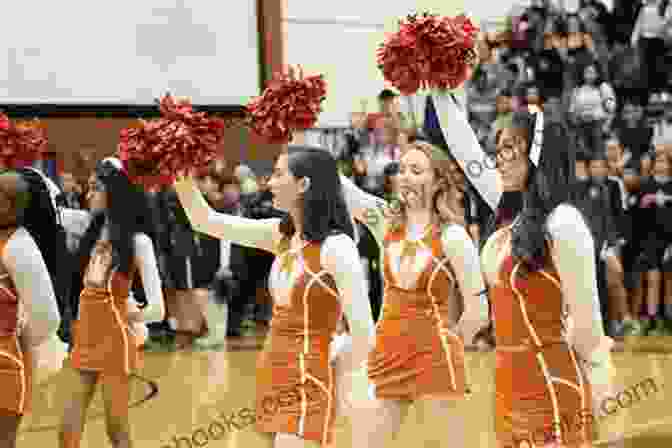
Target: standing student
[(29, 315), (115, 248), (541, 270), (432, 301), (316, 277)]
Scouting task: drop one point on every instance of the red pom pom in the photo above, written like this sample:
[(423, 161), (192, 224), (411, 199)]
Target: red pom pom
[(21, 143), (155, 152), (429, 51), (291, 102)]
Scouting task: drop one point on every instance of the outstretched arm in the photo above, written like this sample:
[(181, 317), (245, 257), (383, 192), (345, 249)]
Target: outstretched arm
[(255, 233)]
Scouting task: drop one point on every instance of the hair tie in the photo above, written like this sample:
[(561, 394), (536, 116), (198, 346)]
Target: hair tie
[(538, 138), (116, 163)]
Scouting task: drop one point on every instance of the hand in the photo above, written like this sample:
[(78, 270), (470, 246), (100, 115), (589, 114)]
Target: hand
[(648, 201)]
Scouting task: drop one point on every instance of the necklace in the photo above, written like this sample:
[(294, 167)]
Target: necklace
[(410, 247), (291, 255)]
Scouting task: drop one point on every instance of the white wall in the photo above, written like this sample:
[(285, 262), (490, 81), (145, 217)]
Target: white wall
[(129, 51)]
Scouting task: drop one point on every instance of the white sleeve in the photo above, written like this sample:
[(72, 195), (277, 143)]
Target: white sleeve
[(575, 260), (358, 201), (32, 281), (340, 258), (256, 233), (75, 221), (145, 260), (463, 257)]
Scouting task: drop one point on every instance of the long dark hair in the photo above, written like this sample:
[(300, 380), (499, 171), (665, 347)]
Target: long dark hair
[(41, 218), (548, 185), (324, 208), (127, 214)]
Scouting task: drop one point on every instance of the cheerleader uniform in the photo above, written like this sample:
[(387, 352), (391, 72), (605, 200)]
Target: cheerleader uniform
[(295, 380), (547, 325), (28, 318), (103, 339), (431, 283)]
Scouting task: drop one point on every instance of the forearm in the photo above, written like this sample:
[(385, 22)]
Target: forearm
[(253, 233)]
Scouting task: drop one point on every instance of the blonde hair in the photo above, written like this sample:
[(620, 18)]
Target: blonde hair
[(440, 163)]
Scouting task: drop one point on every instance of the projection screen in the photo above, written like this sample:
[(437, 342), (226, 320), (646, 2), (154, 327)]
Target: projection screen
[(129, 52)]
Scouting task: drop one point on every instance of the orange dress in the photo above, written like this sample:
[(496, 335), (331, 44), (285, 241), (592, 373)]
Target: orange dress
[(416, 353), (102, 339), (541, 392), (15, 366), (295, 381)]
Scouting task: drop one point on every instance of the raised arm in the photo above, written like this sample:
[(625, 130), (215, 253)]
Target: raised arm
[(574, 258), (30, 276), (256, 233), (463, 257), (147, 263)]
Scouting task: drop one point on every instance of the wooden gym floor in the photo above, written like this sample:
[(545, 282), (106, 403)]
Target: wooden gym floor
[(205, 396)]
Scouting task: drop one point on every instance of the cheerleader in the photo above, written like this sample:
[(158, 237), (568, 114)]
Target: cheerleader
[(114, 248), (540, 270), (28, 309), (432, 299), (315, 277)]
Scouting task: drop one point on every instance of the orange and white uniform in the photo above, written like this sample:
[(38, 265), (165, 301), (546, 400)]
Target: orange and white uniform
[(547, 324), (29, 318), (312, 286), (103, 339), (432, 302)]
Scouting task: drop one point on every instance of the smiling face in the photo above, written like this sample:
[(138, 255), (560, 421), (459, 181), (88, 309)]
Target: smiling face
[(416, 179), (285, 187), (512, 162)]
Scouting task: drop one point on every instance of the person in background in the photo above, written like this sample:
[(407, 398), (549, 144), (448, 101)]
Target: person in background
[(191, 267), (371, 161), (592, 108), (580, 52), (656, 259), (648, 35), (388, 105), (548, 65), (482, 92), (253, 306), (618, 315), (632, 130)]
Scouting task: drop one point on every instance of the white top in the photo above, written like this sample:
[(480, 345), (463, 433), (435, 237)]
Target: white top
[(338, 257), (458, 248), (25, 266), (573, 256), (77, 221)]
